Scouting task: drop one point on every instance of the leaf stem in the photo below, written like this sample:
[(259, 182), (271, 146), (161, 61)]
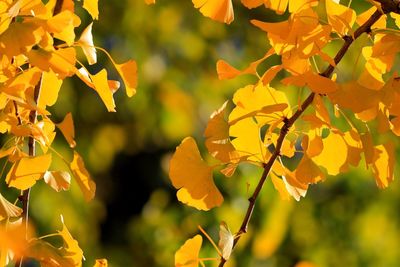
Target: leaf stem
[(288, 122)]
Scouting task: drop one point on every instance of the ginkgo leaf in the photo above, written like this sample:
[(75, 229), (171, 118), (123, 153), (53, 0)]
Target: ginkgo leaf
[(92, 6), (82, 177), (280, 186), (315, 82), (225, 240), (217, 137), (150, 2), (47, 255), (340, 17), (101, 86), (7, 209), (67, 129), (307, 172), (294, 188), (86, 43), (252, 3), (188, 253), (334, 153), (226, 71), (193, 177), (49, 89), (71, 249), (19, 38), (25, 172), (363, 17), (61, 61), (101, 263), (128, 72), (220, 10), (58, 180), (383, 164)]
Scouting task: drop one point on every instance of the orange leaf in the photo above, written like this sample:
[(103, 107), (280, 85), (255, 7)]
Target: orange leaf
[(101, 263), (128, 72), (188, 253), (150, 2), (25, 172), (193, 177), (220, 10), (315, 82), (82, 176), (67, 129), (340, 17)]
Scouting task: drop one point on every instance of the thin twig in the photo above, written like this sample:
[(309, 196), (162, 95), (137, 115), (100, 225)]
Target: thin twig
[(288, 122)]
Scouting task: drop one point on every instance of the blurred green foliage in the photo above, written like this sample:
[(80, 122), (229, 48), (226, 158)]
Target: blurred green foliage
[(135, 219)]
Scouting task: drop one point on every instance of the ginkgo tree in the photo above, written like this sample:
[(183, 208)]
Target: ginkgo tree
[(38, 51), (266, 130)]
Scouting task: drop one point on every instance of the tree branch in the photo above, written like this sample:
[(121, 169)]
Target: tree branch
[(387, 6)]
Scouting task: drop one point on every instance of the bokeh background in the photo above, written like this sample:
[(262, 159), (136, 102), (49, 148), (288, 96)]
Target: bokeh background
[(136, 219)]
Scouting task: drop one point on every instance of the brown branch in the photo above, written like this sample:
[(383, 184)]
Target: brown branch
[(288, 122)]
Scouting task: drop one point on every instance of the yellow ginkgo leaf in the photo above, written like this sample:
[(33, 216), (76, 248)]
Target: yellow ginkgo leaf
[(340, 17), (58, 180), (334, 153), (280, 186), (128, 72), (217, 137), (50, 87), (82, 176), (219, 10), (225, 240), (7, 209), (67, 129), (315, 82), (86, 43), (71, 250), (150, 2), (101, 86), (294, 187), (61, 61), (383, 164), (25, 172), (307, 172), (101, 263), (252, 3), (188, 253), (92, 6), (193, 177)]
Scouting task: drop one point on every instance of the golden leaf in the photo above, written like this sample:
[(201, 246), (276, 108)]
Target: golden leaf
[(58, 180), (219, 10), (92, 6), (193, 177), (67, 129), (82, 176), (188, 253), (7, 209)]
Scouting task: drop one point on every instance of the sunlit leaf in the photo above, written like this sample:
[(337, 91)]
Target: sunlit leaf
[(86, 42), (188, 253), (128, 72), (101, 263), (193, 177), (101, 86), (7, 209), (220, 10), (340, 17), (82, 177), (58, 180), (68, 130), (25, 172), (71, 249), (92, 7), (383, 164), (225, 240)]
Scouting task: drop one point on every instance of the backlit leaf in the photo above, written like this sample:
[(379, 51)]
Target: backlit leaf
[(101, 263), (225, 240), (25, 172), (71, 249), (86, 42), (340, 17), (383, 165), (188, 253), (7, 209), (220, 10), (128, 72), (193, 177), (101, 86), (68, 130), (82, 177), (58, 180), (50, 87), (92, 7)]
